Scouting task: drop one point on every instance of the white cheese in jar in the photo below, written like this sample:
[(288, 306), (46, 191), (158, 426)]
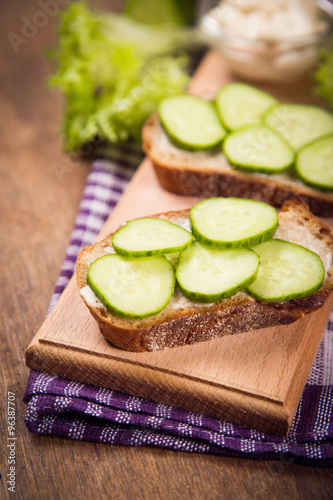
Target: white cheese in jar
[(269, 19), (267, 40)]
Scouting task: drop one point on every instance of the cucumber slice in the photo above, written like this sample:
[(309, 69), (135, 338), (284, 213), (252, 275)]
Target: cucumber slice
[(208, 275), (134, 288), (239, 104), (299, 124), (150, 236), (233, 222), (314, 163), (287, 271), (258, 148), (191, 122)]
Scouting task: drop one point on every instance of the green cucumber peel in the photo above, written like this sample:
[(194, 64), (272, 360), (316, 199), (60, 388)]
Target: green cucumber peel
[(258, 148), (133, 288), (149, 236), (299, 124), (314, 163), (240, 104), (233, 222), (191, 122), (287, 271), (205, 274)]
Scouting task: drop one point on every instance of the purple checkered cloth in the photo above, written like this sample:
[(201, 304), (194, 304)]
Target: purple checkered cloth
[(69, 409)]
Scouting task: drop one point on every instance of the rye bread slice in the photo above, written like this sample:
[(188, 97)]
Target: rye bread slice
[(207, 174), (184, 321)]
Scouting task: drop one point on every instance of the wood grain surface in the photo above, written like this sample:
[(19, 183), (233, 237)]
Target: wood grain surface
[(38, 209)]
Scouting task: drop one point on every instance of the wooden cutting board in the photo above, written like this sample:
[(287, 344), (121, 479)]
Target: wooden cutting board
[(253, 379)]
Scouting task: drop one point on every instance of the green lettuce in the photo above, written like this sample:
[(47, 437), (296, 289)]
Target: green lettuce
[(324, 76), (113, 72)]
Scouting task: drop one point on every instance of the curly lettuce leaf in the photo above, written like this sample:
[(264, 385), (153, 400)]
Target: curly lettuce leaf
[(113, 72)]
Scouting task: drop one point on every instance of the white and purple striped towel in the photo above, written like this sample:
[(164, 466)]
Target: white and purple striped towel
[(74, 410)]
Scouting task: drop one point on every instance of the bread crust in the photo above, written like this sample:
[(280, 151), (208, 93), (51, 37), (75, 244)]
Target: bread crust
[(206, 175), (185, 322)]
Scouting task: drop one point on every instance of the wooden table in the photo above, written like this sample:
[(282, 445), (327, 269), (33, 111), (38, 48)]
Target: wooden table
[(38, 209)]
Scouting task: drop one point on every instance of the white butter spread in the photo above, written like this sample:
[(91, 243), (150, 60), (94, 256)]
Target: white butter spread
[(90, 298), (179, 301), (109, 249)]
